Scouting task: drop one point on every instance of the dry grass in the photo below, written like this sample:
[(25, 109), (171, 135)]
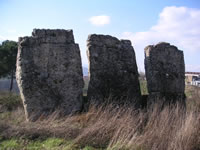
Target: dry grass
[(193, 98), (108, 127), (123, 128), (115, 128)]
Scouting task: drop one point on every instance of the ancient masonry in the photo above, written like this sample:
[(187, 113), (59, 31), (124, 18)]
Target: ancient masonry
[(49, 73), (113, 70), (165, 72)]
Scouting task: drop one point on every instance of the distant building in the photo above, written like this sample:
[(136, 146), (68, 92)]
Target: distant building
[(192, 78)]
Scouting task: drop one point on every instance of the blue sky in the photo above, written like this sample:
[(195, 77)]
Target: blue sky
[(144, 22)]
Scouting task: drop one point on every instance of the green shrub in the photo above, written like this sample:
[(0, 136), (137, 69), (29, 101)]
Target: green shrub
[(10, 100)]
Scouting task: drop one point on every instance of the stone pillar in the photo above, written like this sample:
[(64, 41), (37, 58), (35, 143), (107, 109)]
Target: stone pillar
[(49, 73), (165, 73), (113, 70)]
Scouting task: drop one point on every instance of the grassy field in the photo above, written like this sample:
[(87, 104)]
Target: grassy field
[(103, 128)]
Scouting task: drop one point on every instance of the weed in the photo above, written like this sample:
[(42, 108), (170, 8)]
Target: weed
[(10, 144)]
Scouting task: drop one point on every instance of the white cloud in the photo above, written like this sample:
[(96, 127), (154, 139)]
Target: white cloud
[(100, 20), (179, 26)]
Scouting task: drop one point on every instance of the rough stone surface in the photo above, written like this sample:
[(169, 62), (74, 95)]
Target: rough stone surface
[(165, 71), (49, 73), (113, 70)]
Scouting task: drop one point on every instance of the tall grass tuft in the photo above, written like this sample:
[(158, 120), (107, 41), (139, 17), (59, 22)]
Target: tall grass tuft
[(116, 128), (123, 128)]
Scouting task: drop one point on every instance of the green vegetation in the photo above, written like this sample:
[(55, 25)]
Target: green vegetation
[(10, 100), (143, 87), (48, 144), (8, 54), (10, 144), (86, 82), (143, 83)]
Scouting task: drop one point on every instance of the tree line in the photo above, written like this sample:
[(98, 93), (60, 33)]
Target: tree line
[(8, 54)]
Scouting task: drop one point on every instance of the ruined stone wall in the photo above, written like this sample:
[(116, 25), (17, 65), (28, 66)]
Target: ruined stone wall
[(165, 72), (49, 73), (113, 70)]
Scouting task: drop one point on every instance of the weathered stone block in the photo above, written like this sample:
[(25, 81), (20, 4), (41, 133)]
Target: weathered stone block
[(113, 70), (49, 73), (165, 71)]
